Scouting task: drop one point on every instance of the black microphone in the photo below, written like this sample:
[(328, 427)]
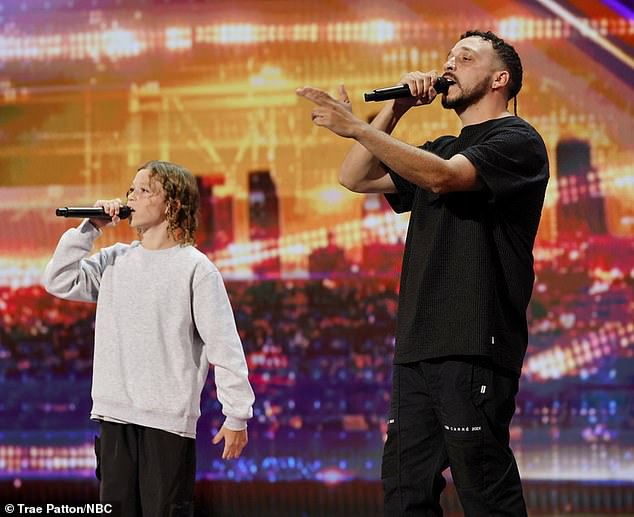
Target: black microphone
[(95, 212), (402, 90)]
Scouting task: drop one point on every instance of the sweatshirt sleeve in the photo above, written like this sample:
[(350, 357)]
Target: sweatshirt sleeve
[(69, 274), (216, 326)]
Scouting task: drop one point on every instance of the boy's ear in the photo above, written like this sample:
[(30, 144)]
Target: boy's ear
[(174, 204)]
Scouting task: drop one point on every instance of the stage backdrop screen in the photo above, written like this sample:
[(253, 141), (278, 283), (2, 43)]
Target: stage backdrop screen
[(89, 91)]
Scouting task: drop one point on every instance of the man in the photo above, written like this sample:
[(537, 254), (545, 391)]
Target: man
[(475, 203)]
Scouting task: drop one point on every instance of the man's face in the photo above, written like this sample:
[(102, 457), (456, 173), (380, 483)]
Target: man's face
[(147, 198), (471, 64)]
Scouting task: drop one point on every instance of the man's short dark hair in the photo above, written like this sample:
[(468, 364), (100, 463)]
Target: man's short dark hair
[(507, 54)]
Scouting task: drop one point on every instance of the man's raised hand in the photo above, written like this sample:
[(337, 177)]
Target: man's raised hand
[(330, 113)]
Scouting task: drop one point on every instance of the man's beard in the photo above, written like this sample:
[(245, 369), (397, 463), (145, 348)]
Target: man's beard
[(466, 98)]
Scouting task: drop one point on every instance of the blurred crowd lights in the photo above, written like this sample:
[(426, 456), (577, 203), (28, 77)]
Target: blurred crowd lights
[(581, 354), (19, 459), (570, 191), (520, 28), (20, 273), (118, 42), (385, 228), (586, 462)]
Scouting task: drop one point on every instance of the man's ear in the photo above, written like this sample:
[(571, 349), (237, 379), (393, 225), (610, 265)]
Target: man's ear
[(500, 79)]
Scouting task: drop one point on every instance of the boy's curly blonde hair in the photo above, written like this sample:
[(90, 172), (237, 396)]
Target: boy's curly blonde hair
[(181, 198)]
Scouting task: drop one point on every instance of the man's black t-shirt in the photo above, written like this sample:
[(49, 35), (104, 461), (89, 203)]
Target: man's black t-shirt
[(467, 272)]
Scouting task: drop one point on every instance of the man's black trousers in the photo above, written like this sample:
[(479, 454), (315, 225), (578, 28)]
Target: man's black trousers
[(146, 472), (451, 412)]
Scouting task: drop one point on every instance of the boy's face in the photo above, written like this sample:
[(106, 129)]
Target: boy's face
[(147, 198)]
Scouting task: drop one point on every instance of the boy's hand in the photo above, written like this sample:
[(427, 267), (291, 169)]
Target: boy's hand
[(111, 207), (235, 441)]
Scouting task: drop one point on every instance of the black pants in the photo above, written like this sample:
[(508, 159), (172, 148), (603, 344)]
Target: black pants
[(455, 413), (146, 472)]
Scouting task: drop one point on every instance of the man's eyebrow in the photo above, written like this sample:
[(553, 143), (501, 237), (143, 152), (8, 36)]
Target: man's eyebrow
[(468, 49)]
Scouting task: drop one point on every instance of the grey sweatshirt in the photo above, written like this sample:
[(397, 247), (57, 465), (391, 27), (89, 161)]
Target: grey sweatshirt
[(162, 317)]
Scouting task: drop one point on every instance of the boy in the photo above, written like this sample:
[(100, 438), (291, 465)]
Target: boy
[(162, 316)]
